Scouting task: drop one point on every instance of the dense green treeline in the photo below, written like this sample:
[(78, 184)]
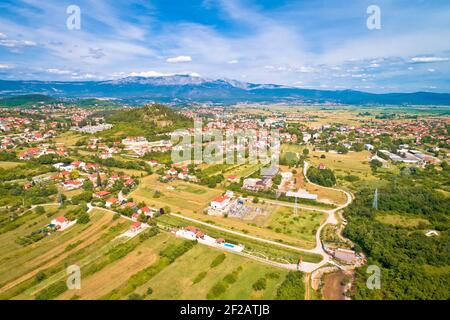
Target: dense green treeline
[(413, 266)]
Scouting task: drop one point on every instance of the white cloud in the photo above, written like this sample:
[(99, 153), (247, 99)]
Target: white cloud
[(429, 59), (58, 71), (149, 74), (4, 66), (86, 76), (234, 61), (16, 43), (374, 65), (179, 59), (431, 70)]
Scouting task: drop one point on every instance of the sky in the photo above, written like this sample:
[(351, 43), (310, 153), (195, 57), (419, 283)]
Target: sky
[(308, 44)]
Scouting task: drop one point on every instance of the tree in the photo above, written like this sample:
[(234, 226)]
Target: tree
[(99, 180), (142, 218), (135, 296), (305, 152), (74, 174), (40, 276), (323, 177), (84, 218), (260, 284), (40, 210), (88, 185)]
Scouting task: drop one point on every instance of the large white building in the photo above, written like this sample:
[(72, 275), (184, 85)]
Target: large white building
[(220, 202)]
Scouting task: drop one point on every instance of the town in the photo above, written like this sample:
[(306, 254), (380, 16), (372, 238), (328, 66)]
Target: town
[(71, 168)]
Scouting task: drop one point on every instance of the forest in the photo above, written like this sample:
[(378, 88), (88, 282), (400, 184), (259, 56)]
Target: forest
[(413, 266)]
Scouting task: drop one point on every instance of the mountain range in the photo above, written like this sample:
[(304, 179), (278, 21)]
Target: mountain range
[(186, 88)]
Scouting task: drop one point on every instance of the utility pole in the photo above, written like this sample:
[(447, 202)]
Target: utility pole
[(295, 206), (60, 200)]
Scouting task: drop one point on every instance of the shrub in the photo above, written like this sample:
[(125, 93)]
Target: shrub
[(199, 277), (260, 284), (292, 287), (135, 296), (84, 218), (40, 210), (40, 276), (217, 290), (52, 291), (218, 260)]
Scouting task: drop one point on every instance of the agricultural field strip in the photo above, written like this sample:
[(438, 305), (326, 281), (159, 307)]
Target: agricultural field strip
[(56, 255)]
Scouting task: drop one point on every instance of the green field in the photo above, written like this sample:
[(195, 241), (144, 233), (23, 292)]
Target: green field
[(69, 139), (177, 280), (178, 195), (243, 170), (9, 164), (401, 220), (302, 226)]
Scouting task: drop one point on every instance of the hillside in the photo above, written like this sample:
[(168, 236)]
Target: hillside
[(28, 100), (149, 121)]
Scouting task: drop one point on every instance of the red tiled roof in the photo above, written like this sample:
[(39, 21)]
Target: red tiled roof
[(220, 199), (137, 224), (101, 193)]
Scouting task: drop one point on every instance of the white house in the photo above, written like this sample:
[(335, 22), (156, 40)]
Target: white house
[(62, 223), (183, 175), (368, 146), (306, 137), (111, 201), (72, 184), (63, 166), (172, 172), (220, 202), (135, 227), (152, 163), (149, 212)]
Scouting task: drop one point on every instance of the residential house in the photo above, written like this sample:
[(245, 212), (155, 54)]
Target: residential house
[(220, 202)]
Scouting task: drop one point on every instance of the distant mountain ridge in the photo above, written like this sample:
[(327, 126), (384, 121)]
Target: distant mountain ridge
[(186, 88)]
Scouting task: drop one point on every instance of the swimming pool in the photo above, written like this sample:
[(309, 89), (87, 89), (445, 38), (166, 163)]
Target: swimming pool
[(229, 245)]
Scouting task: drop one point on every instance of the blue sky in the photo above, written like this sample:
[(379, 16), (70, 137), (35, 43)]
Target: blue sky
[(310, 44)]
